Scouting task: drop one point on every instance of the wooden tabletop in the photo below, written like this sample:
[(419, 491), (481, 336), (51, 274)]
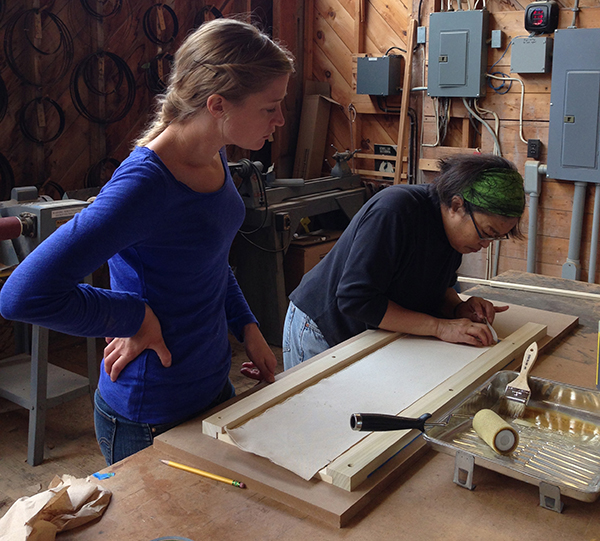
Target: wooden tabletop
[(152, 500)]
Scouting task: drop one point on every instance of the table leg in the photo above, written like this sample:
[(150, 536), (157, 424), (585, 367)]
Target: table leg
[(38, 390)]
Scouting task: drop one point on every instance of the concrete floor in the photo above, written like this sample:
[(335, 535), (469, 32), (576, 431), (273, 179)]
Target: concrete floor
[(70, 443)]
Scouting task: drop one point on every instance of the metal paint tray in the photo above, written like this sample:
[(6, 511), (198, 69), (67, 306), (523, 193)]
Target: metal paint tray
[(559, 435)]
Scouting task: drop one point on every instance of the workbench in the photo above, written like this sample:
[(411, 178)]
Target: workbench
[(151, 500)]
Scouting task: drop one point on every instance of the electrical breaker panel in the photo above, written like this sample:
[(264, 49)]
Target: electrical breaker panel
[(574, 134), (458, 54)]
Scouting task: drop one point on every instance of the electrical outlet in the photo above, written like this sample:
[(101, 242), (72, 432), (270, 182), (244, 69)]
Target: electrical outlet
[(534, 148)]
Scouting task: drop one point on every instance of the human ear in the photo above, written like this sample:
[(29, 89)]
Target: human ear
[(457, 203), (215, 104)]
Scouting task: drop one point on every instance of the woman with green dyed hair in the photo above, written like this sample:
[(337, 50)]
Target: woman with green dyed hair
[(395, 265)]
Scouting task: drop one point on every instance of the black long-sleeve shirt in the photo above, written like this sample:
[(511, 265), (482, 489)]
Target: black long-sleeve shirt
[(395, 249)]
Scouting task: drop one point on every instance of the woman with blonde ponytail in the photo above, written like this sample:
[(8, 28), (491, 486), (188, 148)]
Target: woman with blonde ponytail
[(165, 223)]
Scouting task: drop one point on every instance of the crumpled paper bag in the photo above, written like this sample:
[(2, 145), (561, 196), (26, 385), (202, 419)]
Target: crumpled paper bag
[(69, 502)]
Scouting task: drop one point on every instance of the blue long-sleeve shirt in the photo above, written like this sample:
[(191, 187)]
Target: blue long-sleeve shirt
[(167, 246), (395, 249)]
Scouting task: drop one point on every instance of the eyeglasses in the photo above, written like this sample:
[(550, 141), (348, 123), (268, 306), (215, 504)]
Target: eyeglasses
[(482, 237)]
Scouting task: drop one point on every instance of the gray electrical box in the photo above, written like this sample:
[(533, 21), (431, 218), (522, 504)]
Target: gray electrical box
[(379, 75), (531, 55), (458, 54), (574, 133)]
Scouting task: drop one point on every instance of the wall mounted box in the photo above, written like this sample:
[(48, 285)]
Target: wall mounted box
[(531, 55), (574, 130), (379, 75), (458, 54)]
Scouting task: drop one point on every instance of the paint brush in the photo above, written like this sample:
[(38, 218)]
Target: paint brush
[(517, 392)]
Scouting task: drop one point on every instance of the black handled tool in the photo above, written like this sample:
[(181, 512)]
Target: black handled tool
[(378, 422)]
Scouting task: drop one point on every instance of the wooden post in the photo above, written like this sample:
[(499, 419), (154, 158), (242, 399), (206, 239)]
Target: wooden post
[(403, 124)]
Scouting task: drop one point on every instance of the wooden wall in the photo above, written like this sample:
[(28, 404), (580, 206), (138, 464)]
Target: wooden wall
[(332, 46), (63, 164)]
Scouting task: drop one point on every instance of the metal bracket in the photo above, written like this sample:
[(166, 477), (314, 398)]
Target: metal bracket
[(550, 497), (464, 465)]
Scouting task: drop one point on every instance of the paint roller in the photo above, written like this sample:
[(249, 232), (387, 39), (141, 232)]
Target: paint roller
[(488, 425)]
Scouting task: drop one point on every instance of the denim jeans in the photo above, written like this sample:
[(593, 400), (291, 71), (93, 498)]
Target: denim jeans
[(302, 339), (118, 437)]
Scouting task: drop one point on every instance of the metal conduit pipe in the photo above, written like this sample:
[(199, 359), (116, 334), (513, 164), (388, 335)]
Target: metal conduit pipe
[(533, 187), (571, 269), (595, 234)]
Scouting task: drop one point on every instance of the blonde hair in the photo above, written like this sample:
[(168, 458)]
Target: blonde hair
[(228, 57)]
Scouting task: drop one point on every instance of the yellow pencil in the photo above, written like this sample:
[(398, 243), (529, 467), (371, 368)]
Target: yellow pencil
[(204, 473)]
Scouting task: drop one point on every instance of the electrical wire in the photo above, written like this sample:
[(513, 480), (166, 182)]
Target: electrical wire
[(505, 50), (392, 48), (483, 111), (437, 125), (97, 14), (575, 10), (83, 72), (148, 24), (25, 19), (254, 170), (39, 102), (522, 101), (263, 193), (497, 150), (284, 249), (501, 88)]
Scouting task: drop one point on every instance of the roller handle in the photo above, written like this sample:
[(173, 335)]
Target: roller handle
[(378, 422)]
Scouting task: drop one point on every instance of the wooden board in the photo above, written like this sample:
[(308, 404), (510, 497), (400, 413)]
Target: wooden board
[(321, 499), (559, 325)]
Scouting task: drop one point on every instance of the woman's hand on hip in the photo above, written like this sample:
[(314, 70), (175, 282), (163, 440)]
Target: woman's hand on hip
[(121, 351)]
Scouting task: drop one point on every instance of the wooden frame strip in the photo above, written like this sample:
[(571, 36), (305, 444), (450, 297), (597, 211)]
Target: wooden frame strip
[(535, 289)]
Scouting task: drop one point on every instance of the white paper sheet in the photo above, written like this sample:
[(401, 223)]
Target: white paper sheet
[(310, 429)]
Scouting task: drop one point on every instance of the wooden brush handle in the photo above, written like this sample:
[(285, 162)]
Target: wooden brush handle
[(529, 358)]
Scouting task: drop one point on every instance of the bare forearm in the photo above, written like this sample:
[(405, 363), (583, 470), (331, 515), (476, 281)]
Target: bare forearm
[(399, 319), (451, 301), (461, 330)]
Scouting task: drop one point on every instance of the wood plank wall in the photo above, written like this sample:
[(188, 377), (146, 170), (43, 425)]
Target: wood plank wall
[(67, 160), (358, 123)]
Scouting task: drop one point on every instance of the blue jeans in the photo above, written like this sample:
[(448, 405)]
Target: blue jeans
[(118, 437), (302, 339)]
